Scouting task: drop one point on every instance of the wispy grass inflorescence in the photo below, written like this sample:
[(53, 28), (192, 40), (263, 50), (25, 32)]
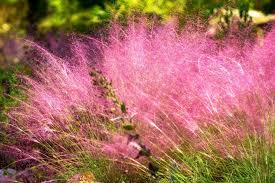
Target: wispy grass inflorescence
[(67, 116), (179, 104), (192, 93)]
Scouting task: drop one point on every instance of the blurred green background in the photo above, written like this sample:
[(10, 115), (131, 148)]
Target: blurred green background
[(45, 19), (37, 18)]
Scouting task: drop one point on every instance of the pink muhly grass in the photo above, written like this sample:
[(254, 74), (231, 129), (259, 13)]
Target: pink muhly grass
[(58, 89), (177, 83), (65, 107)]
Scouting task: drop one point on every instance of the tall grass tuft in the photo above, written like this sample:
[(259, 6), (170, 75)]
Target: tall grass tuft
[(204, 107), (170, 105)]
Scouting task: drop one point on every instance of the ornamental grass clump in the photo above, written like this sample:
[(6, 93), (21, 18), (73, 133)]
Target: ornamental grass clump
[(67, 117), (178, 105), (196, 97), (181, 82)]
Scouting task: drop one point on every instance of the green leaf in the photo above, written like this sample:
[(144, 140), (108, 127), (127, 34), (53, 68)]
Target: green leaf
[(123, 107), (128, 127)]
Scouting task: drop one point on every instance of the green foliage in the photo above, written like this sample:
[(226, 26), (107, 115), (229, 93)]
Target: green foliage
[(243, 7), (161, 8), (10, 1), (84, 15), (12, 20), (69, 159), (103, 169), (128, 127), (255, 163), (204, 7), (71, 15), (207, 7), (267, 6), (10, 92), (123, 107)]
